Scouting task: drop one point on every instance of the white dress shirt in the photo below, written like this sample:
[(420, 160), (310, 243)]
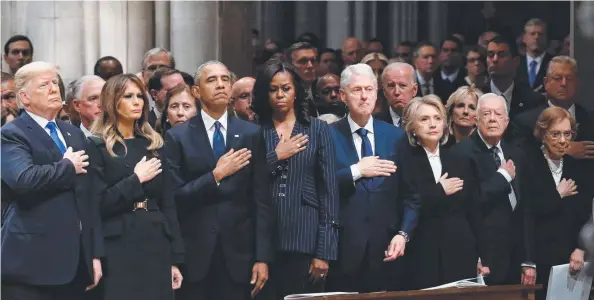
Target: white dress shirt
[(435, 162), (452, 77), (422, 84), (556, 168), (512, 195), (85, 130), (357, 140), (571, 109), (507, 94), (395, 117), (538, 60), (43, 122), (209, 125)]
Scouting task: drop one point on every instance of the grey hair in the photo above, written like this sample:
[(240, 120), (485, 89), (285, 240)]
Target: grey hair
[(156, 51), (563, 59), (356, 69), (399, 65), (75, 88), (24, 75), (204, 65), (488, 96), (535, 22)]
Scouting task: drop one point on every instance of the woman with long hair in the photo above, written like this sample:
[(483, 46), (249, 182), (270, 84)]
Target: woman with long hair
[(300, 158), (141, 233), (461, 112)]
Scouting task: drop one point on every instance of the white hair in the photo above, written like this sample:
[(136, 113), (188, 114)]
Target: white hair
[(204, 65), (399, 65), (156, 51), (491, 96), (356, 69), (76, 87), (27, 72)]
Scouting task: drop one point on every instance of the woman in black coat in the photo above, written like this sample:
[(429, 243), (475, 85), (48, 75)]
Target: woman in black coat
[(142, 239), (449, 238), (557, 194)]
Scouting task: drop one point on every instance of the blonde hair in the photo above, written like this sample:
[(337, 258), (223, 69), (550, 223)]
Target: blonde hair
[(411, 114), (106, 124), (549, 117), (27, 72), (458, 96), (374, 56)]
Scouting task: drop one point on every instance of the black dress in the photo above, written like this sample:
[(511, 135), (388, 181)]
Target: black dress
[(141, 245)]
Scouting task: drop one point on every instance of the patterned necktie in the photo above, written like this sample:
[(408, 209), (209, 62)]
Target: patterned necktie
[(365, 143), (532, 72), (399, 123), (54, 135), (218, 141), (495, 153)]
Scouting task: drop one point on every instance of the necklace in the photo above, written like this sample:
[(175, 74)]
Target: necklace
[(556, 169)]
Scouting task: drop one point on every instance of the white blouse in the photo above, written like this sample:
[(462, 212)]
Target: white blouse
[(556, 168), (435, 163)]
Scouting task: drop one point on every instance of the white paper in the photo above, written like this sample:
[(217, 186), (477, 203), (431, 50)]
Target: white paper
[(301, 296), (563, 285), (464, 283)]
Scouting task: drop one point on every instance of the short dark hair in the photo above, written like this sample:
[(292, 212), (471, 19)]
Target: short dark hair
[(375, 40), (6, 77), (17, 38), (407, 44), (454, 39), (261, 102), (188, 79), (96, 70), (295, 47), (513, 47), (421, 45), (155, 80), (311, 38), (324, 51)]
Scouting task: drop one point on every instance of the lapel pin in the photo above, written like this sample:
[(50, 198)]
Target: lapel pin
[(237, 135), (68, 133)]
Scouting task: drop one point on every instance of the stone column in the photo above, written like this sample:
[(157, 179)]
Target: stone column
[(113, 33), (195, 33), (438, 23), (236, 48), (582, 33), (360, 20), (162, 22), (403, 23), (91, 40), (272, 21), (141, 32), (337, 23), (309, 17)]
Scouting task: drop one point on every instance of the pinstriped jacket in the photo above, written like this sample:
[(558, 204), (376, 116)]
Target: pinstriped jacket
[(305, 192)]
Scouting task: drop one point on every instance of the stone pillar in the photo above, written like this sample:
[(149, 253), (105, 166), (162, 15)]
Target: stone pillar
[(140, 32), (113, 33), (438, 23), (272, 21), (195, 33), (582, 32), (360, 20), (91, 40), (162, 18), (403, 23), (309, 17), (236, 48), (337, 23)]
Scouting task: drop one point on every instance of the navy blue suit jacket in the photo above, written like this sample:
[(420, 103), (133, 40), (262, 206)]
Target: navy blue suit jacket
[(237, 213), (372, 214), (49, 211), (307, 210)]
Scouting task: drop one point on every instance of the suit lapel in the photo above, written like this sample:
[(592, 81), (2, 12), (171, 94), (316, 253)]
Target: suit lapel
[(347, 141), (70, 140), (202, 140), (233, 134), (41, 135)]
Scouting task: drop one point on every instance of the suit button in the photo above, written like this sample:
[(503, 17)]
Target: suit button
[(213, 230), (521, 104)]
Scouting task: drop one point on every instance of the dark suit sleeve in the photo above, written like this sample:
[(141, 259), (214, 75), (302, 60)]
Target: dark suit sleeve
[(167, 206), (262, 201), (327, 247), (26, 178), (97, 230), (346, 186), (493, 186), (117, 197), (528, 222), (475, 216), (188, 195), (411, 202)]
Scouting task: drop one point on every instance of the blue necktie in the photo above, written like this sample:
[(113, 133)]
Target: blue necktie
[(54, 135), (366, 149), (532, 72), (218, 141)]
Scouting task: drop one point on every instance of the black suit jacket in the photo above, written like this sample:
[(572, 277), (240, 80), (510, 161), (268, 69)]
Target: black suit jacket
[(557, 221), (305, 192), (49, 216), (450, 236), (508, 230), (522, 73), (152, 119), (446, 87), (237, 213), (523, 99), (440, 88)]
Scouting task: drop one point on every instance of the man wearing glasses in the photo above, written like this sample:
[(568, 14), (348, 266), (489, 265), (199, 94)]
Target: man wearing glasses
[(18, 51), (303, 56), (87, 100), (241, 98)]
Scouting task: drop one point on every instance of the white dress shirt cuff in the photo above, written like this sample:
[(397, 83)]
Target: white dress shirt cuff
[(505, 174), (355, 172)]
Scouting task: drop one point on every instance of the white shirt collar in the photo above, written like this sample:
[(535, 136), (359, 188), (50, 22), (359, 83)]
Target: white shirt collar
[(488, 145), (395, 116), (422, 81), (39, 119), (538, 59), (354, 126), (209, 121), (571, 109), (431, 155), (452, 77), (507, 94), (85, 130)]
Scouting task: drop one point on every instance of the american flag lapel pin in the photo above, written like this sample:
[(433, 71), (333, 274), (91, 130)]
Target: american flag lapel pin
[(68, 133), (237, 135)]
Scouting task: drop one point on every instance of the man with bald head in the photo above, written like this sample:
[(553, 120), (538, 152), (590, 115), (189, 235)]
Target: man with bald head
[(328, 96), (352, 51), (485, 37), (399, 86), (241, 98)]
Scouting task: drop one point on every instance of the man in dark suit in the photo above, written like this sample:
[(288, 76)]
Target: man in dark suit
[(451, 73), (425, 63), (161, 82), (533, 65), (502, 62), (51, 236), (497, 167), (377, 205), (399, 86), (218, 169), (156, 58)]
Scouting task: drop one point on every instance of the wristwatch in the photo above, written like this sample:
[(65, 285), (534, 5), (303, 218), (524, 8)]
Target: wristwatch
[(404, 235)]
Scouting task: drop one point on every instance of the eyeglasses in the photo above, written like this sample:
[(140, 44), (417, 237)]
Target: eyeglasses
[(555, 135), (472, 60), (154, 68), (402, 54), (9, 97)]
